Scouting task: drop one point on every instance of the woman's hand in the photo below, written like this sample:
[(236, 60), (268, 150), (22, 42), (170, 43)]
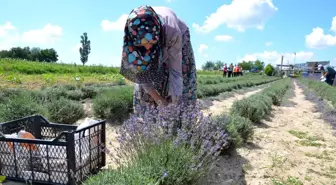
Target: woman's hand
[(162, 102), (157, 97)]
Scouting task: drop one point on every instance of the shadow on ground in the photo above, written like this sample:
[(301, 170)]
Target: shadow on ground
[(229, 170)]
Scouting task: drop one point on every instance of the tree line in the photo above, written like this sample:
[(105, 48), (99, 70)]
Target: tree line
[(246, 65), (32, 54), (46, 55)]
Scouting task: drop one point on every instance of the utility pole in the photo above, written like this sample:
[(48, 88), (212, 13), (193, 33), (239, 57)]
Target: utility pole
[(281, 66), (294, 62)]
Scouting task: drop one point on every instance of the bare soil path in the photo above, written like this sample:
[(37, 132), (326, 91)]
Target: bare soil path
[(216, 108), (223, 106), (294, 143)]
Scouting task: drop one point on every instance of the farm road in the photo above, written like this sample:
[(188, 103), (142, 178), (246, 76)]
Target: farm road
[(293, 142)]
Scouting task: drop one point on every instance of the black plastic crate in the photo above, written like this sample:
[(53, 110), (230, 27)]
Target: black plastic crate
[(60, 154)]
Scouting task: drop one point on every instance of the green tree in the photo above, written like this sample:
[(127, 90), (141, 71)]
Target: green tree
[(35, 54), (20, 53), (269, 70), (48, 55), (259, 64), (5, 54), (218, 65), (85, 50), (31, 54), (209, 65), (246, 65)]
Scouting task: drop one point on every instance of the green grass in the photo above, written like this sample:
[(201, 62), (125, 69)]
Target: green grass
[(289, 181), (29, 67), (304, 135), (298, 134), (309, 143), (324, 156), (307, 140)]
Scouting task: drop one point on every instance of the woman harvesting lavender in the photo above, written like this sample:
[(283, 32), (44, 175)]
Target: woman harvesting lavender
[(158, 57)]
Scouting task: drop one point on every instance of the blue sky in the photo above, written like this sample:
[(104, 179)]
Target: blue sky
[(224, 30)]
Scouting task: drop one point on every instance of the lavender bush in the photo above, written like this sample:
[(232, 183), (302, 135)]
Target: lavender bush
[(166, 146)]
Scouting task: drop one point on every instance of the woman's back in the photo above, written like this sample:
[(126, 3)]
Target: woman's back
[(171, 22)]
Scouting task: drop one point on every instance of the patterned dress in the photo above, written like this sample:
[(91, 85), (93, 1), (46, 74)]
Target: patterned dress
[(177, 79)]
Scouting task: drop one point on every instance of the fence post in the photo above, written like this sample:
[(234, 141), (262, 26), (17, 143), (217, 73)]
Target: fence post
[(281, 66)]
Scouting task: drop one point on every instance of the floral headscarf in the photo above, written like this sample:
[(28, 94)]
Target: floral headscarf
[(139, 64)]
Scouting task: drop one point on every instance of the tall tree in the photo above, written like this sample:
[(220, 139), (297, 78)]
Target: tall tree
[(209, 65), (218, 65), (35, 54), (85, 50), (49, 55)]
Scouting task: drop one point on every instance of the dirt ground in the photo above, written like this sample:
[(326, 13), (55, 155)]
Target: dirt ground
[(292, 143)]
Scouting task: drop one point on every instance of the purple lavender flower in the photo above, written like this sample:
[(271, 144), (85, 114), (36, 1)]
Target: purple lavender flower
[(184, 125), (164, 174)]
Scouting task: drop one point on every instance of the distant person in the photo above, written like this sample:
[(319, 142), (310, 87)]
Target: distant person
[(329, 74), (225, 68), (241, 70), (158, 57), (320, 68), (235, 70), (238, 70), (230, 68)]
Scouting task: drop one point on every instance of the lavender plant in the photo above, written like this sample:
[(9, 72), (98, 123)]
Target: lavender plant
[(177, 139)]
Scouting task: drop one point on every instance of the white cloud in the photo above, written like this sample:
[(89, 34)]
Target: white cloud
[(223, 38), (10, 37), (118, 25), (274, 57), (48, 34), (202, 49), (333, 25), (168, 1), (239, 15), (268, 43), (9, 41), (4, 29), (317, 39)]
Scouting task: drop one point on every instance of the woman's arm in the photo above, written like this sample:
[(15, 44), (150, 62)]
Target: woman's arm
[(175, 68), (149, 88)]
